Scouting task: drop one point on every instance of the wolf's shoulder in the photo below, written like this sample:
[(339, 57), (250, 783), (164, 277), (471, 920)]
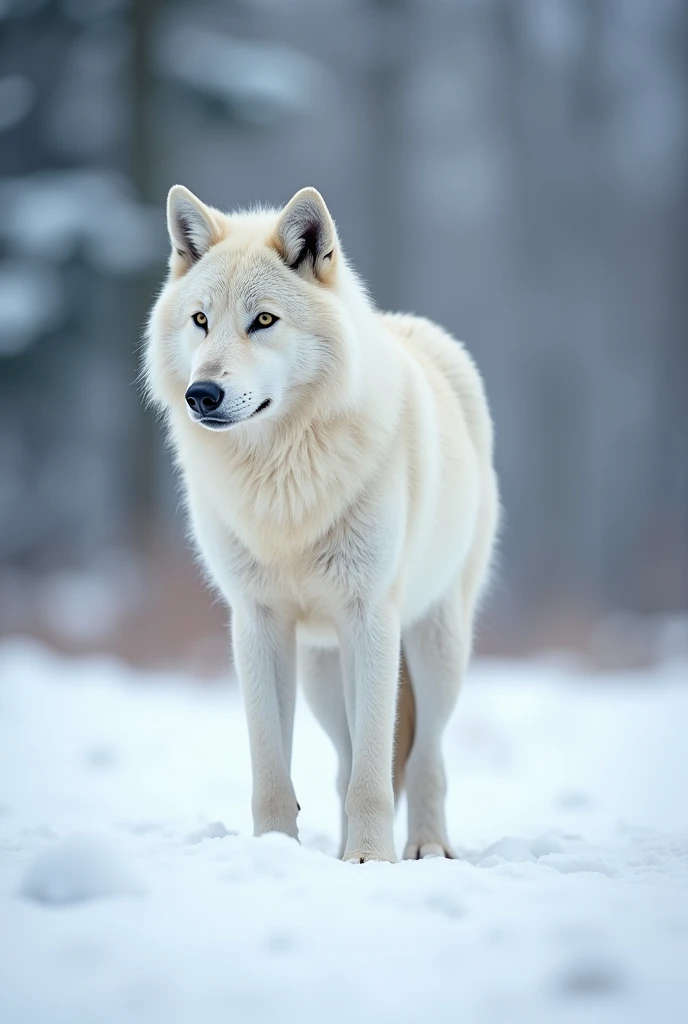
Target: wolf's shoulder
[(428, 342), (421, 335), (436, 352)]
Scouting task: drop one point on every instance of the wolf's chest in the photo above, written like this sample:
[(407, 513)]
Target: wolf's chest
[(312, 570)]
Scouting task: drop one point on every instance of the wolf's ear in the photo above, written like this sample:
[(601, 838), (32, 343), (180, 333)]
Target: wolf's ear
[(191, 224), (306, 236)]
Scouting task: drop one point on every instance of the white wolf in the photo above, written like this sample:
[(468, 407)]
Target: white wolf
[(337, 463)]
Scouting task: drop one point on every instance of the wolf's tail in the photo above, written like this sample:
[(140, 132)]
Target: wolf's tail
[(405, 727)]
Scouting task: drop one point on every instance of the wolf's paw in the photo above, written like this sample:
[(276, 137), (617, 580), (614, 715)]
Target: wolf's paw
[(363, 856), (423, 851)]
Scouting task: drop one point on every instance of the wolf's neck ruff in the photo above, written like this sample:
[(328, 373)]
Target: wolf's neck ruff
[(295, 476)]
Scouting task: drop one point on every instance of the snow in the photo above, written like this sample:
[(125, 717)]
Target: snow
[(131, 888), (17, 97), (32, 302), (75, 869), (262, 81), (52, 215)]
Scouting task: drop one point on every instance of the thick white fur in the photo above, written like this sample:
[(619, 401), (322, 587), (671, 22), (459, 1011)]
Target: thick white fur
[(354, 515)]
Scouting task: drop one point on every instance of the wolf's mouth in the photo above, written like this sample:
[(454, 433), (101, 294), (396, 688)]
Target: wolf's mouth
[(216, 423), (263, 405)]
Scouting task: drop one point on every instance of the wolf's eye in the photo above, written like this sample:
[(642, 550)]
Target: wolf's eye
[(201, 320), (263, 320)]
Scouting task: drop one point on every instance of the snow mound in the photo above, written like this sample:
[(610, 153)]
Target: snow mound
[(77, 869), (213, 830)]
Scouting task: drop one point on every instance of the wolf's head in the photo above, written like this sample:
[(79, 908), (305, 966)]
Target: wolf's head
[(255, 316)]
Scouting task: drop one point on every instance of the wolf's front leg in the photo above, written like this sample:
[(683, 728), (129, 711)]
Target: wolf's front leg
[(265, 655), (370, 659)]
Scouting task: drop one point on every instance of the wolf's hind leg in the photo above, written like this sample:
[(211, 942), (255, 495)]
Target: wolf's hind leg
[(322, 683), (435, 652)]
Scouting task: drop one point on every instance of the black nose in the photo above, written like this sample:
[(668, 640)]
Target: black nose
[(204, 396)]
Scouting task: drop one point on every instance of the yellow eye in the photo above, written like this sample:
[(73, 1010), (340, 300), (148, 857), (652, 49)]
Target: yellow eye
[(201, 320), (265, 319)]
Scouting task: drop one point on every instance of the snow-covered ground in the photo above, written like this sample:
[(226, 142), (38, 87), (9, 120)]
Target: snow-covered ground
[(131, 889)]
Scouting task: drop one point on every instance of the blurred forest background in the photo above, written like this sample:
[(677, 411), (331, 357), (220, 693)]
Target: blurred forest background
[(515, 169)]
